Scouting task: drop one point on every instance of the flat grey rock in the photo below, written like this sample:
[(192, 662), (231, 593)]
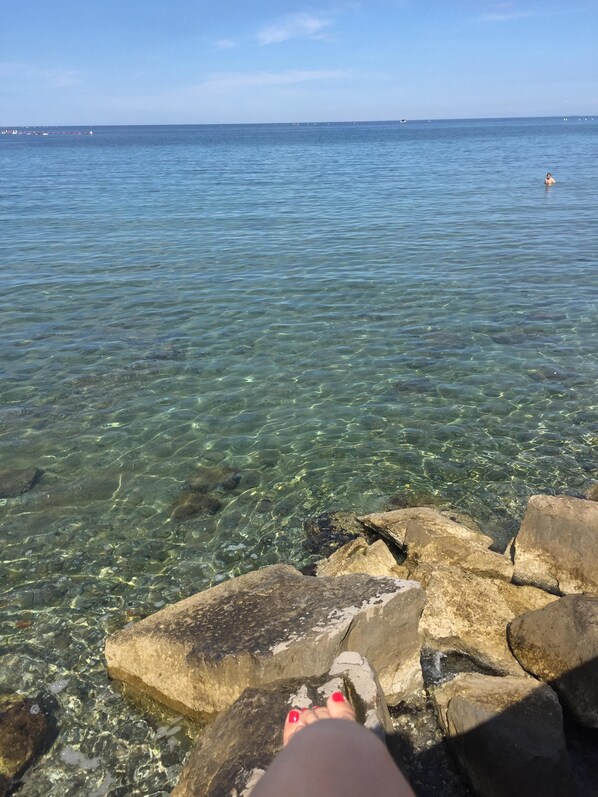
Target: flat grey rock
[(201, 653)]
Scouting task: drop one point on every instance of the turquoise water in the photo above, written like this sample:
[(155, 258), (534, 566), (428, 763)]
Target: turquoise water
[(335, 312)]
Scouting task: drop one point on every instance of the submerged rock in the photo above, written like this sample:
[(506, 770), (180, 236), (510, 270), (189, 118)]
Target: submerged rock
[(409, 499), (199, 654), (190, 503), (25, 733), (204, 480), (592, 493), (16, 481), (237, 748), (100, 487), (556, 548), (330, 531), (507, 734), (559, 644)]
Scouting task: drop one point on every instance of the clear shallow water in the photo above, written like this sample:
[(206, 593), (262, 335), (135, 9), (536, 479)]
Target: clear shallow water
[(339, 312)]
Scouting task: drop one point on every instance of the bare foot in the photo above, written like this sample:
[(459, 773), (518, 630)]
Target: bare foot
[(337, 708)]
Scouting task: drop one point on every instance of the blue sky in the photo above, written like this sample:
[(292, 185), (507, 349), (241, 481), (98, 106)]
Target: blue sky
[(209, 61)]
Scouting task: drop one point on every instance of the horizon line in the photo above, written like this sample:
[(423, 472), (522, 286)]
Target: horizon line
[(88, 126)]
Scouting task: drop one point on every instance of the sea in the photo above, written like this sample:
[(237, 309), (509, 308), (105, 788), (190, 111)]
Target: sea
[(329, 317)]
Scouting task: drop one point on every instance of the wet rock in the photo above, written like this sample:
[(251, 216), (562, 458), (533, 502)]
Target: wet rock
[(359, 557), (556, 548), (329, 531), (198, 655), (432, 544), (507, 734), (237, 748), (190, 503), (559, 644), (16, 481), (468, 614), (393, 525), (592, 493), (422, 753), (205, 480), (439, 667), (25, 733)]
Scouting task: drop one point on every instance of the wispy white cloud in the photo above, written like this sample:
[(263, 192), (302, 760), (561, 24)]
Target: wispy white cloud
[(55, 78), (289, 76), (507, 16), (509, 11), (294, 26), (225, 44)]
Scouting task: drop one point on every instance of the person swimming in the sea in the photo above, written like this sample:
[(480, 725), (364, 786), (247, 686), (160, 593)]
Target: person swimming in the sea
[(549, 179)]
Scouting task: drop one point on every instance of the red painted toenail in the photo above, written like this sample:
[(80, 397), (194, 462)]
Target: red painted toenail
[(338, 697), (294, 716)]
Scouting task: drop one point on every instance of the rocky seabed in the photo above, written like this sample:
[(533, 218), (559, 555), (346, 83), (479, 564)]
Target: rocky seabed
[(478, 668)]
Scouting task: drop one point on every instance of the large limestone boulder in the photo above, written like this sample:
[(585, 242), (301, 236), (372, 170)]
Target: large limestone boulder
[(393, 525), (507, 735), (201, 653), (359, 557), (237, 748), (25, 733), (559, 644), (468, 614), (427, 543), (557, 545)]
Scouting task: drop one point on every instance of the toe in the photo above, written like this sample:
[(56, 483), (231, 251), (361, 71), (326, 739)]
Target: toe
[(339, 707), (293, 723)]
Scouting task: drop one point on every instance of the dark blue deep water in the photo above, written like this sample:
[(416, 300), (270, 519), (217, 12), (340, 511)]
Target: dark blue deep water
[(336, 312)]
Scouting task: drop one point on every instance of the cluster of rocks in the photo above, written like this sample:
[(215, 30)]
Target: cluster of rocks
[(508, 644), (479, 668)]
